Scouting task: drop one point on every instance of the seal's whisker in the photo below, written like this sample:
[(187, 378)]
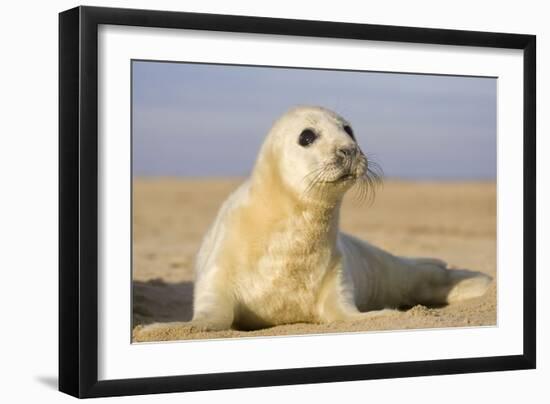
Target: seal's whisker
[(314, 181), (314, 171), (312, 177), (320, 175), (365, 186)]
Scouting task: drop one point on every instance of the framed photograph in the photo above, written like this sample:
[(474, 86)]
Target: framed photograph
[(249, 201)]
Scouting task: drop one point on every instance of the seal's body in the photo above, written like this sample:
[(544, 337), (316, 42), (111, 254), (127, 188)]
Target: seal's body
[(275, 255)]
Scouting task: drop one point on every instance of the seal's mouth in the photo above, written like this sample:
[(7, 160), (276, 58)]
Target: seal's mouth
[(342, 178), (346, 177)]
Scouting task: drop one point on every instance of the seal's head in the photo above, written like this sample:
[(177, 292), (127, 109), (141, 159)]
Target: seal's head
[(314, 151)]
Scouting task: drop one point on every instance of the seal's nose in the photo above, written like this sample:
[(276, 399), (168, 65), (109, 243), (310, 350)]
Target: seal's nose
[(347, 152)]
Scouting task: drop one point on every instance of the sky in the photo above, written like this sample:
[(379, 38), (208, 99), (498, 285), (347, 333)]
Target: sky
[(203, 120)]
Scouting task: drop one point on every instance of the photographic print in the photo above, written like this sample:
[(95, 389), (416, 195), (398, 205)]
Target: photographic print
[(271, 201)]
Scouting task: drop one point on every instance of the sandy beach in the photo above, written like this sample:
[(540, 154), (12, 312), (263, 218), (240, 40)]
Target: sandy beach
[(453, 221)]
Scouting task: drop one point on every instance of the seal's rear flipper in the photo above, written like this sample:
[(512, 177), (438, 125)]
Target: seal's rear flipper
[(467, 284), (434, 283)]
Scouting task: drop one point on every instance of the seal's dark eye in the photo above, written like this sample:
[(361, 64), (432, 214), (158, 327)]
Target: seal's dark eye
[(307, 137), (348, 130)]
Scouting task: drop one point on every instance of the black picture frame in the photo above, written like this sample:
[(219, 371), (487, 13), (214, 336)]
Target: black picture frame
[(78, 201)]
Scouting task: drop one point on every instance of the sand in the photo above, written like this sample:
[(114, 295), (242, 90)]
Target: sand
[(454, 221)]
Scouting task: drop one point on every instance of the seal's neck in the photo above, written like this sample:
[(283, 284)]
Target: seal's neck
[(280, 203)]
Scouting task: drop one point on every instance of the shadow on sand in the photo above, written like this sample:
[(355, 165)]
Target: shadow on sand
[(160, 301)]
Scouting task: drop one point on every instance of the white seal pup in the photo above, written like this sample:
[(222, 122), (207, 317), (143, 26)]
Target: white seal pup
[(275, 255)]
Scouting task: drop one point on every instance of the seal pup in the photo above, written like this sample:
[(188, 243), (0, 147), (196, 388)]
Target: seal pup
[(275, 255)]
